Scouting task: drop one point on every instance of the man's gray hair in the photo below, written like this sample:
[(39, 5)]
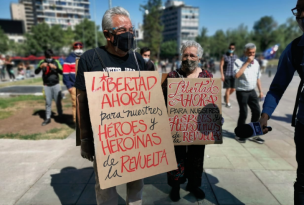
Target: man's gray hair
[(192, 44), (107, 17), (249, 46)]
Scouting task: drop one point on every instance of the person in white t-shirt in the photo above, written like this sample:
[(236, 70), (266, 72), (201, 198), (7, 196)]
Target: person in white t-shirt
[(247, 75)]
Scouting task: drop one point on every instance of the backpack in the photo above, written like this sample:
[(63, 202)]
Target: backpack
[(297, 53)]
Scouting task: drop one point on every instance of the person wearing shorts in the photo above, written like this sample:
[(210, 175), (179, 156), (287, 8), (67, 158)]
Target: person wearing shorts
[(227, 76)]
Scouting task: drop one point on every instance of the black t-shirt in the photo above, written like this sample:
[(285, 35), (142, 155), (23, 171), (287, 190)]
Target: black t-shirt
[(89, 61)]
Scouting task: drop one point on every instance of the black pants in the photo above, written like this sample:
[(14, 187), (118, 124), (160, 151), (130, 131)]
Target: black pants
[(299, 185), (190, 161), (10, 73), (251, 99)]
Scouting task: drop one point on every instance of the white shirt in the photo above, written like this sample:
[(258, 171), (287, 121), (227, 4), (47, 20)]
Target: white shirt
[(1, 64), (248, 80), (264, 62)]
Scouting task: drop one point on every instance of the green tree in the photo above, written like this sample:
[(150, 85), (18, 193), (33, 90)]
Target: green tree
[(68, 37), (3, 42), (264, 32), (240, 36), (168, 49), (218, 44), (152, 25), (43, 37), (85, 32), (17, 49), (285, 33), (204, 40)]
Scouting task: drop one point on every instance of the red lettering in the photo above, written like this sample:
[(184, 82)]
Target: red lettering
[(106, 147), (118, 84), (127, 87), (159, 139), (105, 100), (105, 133), (142, 84), (148, 82)]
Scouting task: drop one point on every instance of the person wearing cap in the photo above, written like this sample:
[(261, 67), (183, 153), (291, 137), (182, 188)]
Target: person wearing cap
[(69, 73)]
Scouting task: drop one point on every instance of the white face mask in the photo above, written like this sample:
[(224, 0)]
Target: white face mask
[(48, 60), (78, 52), (146, 59)]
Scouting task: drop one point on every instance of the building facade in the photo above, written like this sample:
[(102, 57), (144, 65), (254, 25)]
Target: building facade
[(14, 29), (66, 13), (18, 13), (181, 22)]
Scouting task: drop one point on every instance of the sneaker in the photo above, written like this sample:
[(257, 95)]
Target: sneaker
[(240, 140), (45, 122), (257, 140), (228, 105)]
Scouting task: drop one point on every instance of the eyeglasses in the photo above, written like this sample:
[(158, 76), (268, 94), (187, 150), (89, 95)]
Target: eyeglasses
[(232, 48), (120, 30), (297, 11)]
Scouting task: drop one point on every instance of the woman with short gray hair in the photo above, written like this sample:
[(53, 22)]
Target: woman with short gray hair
[(192, 156)]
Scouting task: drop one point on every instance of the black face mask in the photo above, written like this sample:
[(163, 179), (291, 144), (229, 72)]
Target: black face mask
[(124, 41)]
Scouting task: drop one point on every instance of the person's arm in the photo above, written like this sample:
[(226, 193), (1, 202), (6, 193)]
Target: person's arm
[(278, 86), (260, 88), (222, 69), (243, 68), (58, 67), (84, 124), (39, 67), (82, 110), (259, 85)]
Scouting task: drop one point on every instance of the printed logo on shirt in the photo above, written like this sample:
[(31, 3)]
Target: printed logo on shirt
[(114, 69), (129, 69), (118, 69)]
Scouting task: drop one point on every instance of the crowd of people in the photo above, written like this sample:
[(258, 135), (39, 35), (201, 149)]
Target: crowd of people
[(240, 75), (24, 69)]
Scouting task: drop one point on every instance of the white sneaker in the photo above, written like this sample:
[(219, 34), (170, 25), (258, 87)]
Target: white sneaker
[(228, 105)]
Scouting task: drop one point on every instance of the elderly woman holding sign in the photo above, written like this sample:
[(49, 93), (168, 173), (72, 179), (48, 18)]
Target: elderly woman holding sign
[(189, 158)]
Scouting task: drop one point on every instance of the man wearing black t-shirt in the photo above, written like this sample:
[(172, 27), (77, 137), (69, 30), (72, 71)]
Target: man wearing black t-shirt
[(115, 56)]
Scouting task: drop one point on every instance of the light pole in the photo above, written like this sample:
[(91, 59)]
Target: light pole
[(110, 4)]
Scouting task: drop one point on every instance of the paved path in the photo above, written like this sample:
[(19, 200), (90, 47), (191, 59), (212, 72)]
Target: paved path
[(52, 172)]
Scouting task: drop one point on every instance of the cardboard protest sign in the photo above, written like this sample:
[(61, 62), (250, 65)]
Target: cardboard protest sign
[(194, 109), (130, 125)]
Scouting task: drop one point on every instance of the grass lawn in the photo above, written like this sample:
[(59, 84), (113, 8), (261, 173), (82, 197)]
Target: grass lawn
[(21, 118), (30, 81)]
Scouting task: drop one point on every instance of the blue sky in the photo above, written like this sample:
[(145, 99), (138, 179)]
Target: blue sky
[(214, 14)]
